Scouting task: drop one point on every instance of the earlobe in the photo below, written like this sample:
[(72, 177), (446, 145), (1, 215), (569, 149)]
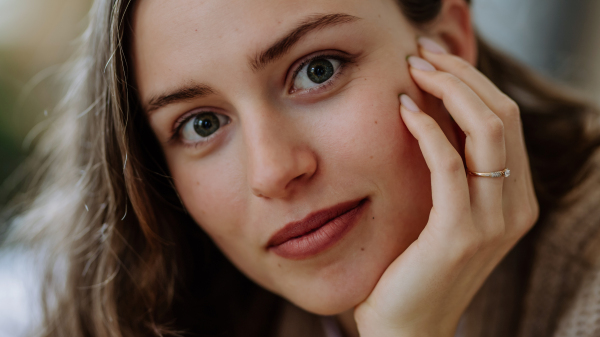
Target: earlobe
[(453, 28)]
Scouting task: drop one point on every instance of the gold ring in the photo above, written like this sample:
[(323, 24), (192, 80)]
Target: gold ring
[(497, 174)]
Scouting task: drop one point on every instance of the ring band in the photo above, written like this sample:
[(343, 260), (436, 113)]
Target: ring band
[(497, 174)]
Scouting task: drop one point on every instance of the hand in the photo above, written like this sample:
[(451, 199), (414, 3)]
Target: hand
[(474, 221)]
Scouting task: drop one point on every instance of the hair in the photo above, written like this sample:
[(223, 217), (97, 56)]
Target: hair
[(123, 257)]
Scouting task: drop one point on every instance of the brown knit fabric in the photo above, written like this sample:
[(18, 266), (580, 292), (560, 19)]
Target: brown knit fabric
[(565, 268)]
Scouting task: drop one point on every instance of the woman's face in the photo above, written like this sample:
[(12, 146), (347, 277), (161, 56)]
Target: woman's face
[(277, 116)]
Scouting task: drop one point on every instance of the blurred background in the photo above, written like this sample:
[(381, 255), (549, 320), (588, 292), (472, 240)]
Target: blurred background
[(559, 38), (36, 36)]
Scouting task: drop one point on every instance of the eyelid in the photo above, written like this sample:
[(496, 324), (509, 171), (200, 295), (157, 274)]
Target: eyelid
[(343, 57), (185, 118)]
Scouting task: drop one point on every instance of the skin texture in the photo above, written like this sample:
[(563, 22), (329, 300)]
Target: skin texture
[(286, 153), (281, 156)]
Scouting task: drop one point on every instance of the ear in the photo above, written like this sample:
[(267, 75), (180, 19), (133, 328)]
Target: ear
[(453, 28)]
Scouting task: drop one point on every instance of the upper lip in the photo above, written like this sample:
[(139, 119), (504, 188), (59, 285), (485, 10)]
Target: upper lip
[(311, 222)]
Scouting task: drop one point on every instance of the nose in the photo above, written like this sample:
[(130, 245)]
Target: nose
[(279, 161)]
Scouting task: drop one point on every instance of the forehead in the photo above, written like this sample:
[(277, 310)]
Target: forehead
[(214, 19), (172, 37)]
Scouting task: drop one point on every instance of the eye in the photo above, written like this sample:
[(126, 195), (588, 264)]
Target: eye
[(315, 72), (199, 127)]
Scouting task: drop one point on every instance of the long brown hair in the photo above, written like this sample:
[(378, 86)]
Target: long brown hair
[(123, 256)]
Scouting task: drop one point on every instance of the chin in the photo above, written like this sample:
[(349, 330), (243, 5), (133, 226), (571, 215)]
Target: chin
[(335, 302), (340, 288), (345, 277)]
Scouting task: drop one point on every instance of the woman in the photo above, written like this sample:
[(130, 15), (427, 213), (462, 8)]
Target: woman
[(341, 177)]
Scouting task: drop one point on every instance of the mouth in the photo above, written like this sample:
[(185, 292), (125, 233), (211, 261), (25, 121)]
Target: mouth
[(317, 232)]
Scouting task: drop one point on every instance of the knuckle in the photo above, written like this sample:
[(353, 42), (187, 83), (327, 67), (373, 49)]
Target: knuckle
[(524, 221), (451, 163), (468, 241), (509, 108), (462, 65), (528, 217), (496, 233), (473, 243), (494, 128), (430, 126), (450, 80)]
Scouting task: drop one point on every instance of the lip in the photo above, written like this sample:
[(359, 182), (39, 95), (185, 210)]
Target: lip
[(317, 231)]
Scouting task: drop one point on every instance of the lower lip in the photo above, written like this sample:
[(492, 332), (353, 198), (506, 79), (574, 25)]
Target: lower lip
[(321, 239)]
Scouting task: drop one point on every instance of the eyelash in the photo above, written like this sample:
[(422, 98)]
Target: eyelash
[(344, 61), (181, 122)]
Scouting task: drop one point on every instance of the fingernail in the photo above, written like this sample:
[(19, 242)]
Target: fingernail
[(419, 63), (408, 103), (431, 46)]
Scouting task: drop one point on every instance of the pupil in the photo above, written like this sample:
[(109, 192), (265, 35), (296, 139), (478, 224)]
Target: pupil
[(320, 70), (206, 124)]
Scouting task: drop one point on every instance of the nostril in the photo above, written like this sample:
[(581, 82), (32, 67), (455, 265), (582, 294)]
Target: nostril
[(300, 177), (275, 174)]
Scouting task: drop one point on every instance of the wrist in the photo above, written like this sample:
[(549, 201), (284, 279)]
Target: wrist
[(396, 329)]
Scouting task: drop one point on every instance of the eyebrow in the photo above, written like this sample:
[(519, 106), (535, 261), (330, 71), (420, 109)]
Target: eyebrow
[(275, 51), (182, 94), (283, 45)]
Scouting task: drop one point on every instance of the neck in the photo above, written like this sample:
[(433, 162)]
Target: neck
[(347, 323)]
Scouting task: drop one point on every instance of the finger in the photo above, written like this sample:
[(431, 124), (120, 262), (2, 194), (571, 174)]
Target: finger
[(484, 145), (516, 155), (449, 186), (497, 101)]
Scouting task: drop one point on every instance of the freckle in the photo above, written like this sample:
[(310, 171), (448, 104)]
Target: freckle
[(198, 183), (279, 265), (362, 249), (372, 158), (375, 122)]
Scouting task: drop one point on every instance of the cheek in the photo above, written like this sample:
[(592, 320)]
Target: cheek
[(365, 149), (215, 194), (364, 130), (213, 197)]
